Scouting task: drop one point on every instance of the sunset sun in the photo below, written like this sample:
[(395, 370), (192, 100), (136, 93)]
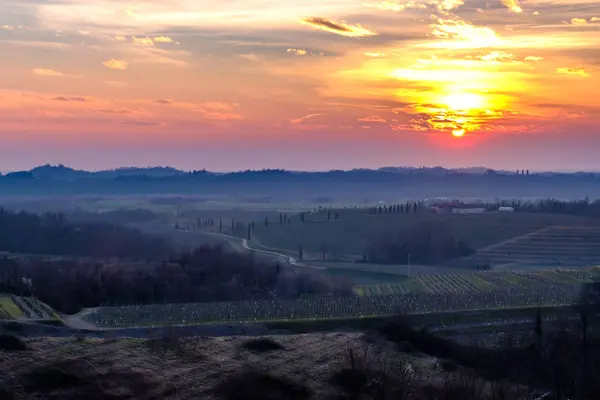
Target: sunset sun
[(463, 101)]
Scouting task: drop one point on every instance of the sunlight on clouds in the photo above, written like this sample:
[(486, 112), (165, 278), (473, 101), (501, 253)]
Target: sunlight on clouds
[(513, 5), (533, 58), (116, 64), (374, 54), (463, 33), (578, 21), (338, 27), (298, 52), (397, 6), (579, 71), (142, 41), (162, 39)]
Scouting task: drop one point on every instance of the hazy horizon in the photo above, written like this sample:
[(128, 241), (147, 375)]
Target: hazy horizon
[(248, 84)]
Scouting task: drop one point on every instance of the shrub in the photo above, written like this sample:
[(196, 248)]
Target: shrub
[(365, 373), (251, 384), (51, 377), (262, 345), (11, 343)]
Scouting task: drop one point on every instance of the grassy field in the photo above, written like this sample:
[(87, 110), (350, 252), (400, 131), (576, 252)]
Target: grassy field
[(10, 307), (475, 282)]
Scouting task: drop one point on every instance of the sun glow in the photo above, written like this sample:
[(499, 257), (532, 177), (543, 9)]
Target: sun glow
[(458, 132), (463, 101)]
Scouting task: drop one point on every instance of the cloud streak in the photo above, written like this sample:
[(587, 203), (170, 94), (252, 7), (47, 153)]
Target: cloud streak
[(338, 27)]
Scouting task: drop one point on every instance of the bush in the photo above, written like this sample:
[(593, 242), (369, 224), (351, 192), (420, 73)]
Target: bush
[(51, 377), (251, 384), (449, 365), (379, 377), (262, 345), (11, 343)]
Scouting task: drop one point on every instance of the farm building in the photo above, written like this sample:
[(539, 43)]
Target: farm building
[(506, 209), (458, 208)]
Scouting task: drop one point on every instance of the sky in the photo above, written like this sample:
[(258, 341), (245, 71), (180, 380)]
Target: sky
[(300, 84)]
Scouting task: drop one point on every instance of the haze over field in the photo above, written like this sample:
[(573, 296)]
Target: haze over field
[(306, 85)]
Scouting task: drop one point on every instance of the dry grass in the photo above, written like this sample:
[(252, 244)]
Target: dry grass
[(200, 367)]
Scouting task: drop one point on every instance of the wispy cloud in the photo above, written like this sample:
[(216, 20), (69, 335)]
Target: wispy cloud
[(398, 5), (116, 64), (372, 118), (50, 72), (533, 58), (302, 119), (338, 27), (579, 71), (76, 99), (595, 19)]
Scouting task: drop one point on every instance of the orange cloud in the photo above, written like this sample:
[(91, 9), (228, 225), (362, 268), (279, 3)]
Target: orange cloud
[(533, 58), (595, 19), (337, 27), (116, 64), (579, 71)]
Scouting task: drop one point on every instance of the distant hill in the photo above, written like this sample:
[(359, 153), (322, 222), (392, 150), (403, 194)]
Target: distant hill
[(358, 184)]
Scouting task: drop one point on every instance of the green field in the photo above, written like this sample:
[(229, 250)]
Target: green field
[(10, 307)]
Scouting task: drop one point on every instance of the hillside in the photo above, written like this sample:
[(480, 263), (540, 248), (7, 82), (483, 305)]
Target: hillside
[(356, 229)]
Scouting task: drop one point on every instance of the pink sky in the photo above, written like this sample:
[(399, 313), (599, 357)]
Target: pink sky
[(229, 85)]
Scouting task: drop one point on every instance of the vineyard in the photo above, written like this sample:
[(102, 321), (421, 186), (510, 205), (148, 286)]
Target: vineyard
[(328, 307), (466, 282), (554, 245)]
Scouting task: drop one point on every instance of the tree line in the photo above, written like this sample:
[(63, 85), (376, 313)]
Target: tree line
[(423, 243), (53, 234), (205, 274)]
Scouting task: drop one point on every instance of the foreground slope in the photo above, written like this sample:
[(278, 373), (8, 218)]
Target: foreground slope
[(290, 367)]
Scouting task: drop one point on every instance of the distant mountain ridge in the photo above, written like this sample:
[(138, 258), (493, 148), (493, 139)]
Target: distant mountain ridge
[(61, 172), (357, 184)]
